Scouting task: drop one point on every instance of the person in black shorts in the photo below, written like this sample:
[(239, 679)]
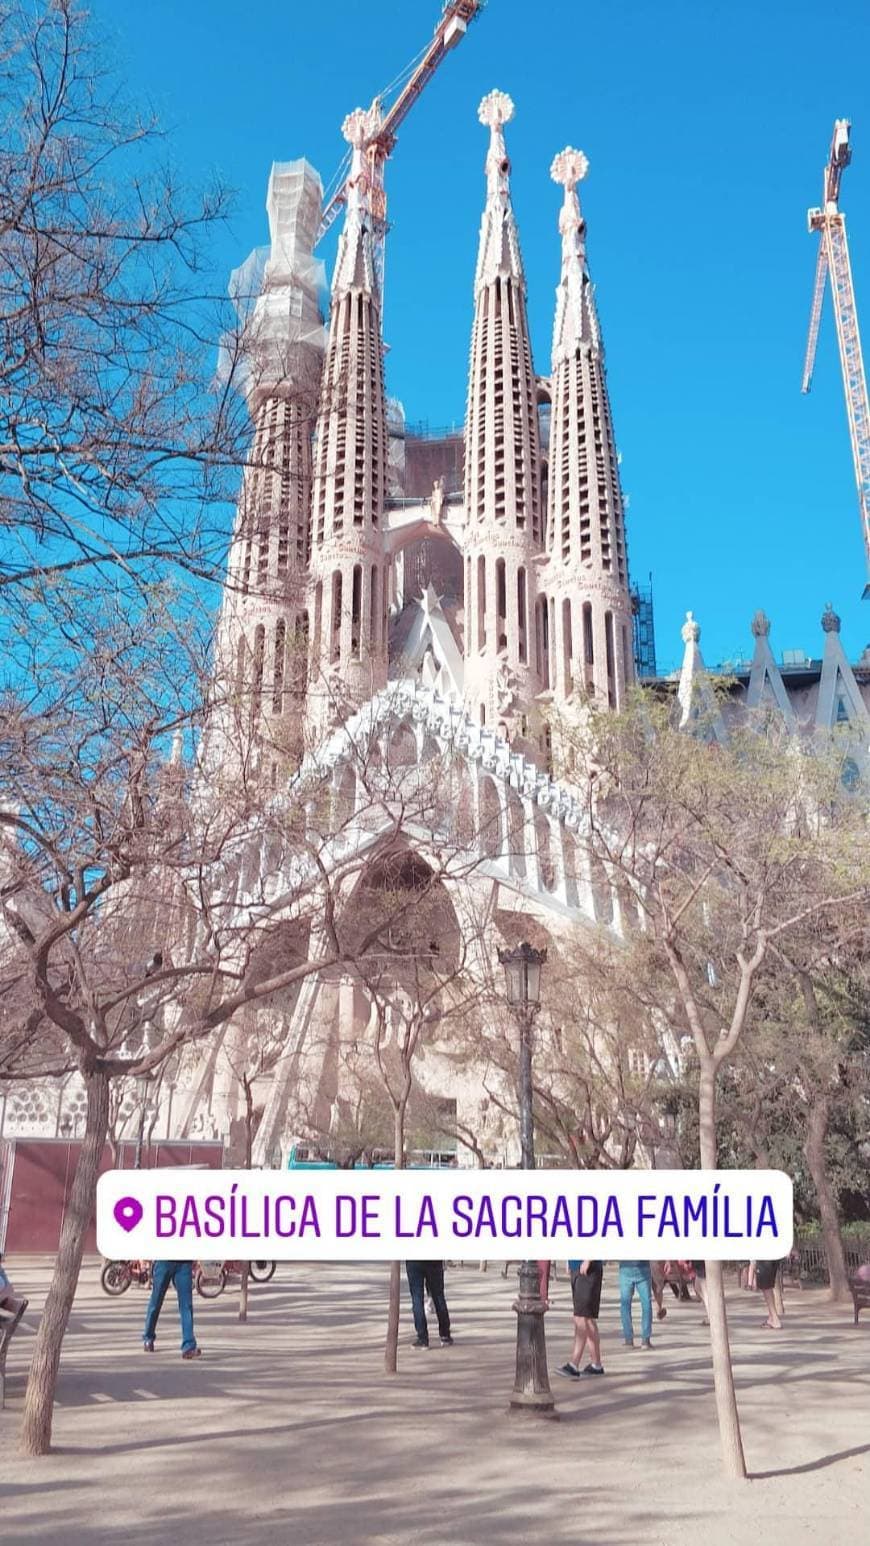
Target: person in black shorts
[(586, 1279), (765, 1279)]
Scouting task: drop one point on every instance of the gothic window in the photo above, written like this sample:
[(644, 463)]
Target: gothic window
[(259, 661), (481, 602), (491, 838), (356, 611), (516, 823), (543, 844), (500, 604), (318, 617), (602, 895), (299, 664), (278, 666), (551, 644), (335, 642), (522, 643), (569, 853), (263, 555), (588, 644), (609, 650), (373, 610), (402, 749), (344, 802)]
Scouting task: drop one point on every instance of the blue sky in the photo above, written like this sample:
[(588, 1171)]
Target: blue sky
[(707, 126)]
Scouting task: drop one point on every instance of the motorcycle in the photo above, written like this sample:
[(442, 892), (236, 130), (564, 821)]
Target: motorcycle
[(209, 1278), (117, 1276)]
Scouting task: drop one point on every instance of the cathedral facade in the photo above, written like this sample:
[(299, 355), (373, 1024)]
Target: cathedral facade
[(449, 595)]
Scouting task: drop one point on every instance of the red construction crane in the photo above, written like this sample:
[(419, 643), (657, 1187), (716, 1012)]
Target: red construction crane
[(833, 258), (451, 28)]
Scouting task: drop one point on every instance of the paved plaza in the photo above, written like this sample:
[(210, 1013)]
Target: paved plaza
[(287, 1430)]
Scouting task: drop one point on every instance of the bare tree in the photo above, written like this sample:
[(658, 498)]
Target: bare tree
[(251, 1056), (805, 1067), (418, 972), (118, 448), (597, 1080), (722, 854)]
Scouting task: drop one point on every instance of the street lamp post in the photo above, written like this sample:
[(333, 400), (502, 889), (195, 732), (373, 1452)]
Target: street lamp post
[(531, 1392)]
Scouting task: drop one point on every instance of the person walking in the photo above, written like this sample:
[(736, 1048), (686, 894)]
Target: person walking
[(658, 1288), (164, 1273), (636, 1277), (427, 1277), (700, 1270), (765, 1279), (586, 1278)]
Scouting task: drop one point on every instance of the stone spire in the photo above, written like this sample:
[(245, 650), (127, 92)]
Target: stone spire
[(766, 687), (502, 472), (839, 703), (699, 711), (586, 578), (348, 601)]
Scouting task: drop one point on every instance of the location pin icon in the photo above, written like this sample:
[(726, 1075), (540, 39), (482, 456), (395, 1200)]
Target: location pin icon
[(128, 1211)]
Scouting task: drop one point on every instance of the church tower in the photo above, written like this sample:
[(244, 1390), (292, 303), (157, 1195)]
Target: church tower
[(348, 590), (586, 577), (504, 521), (277, 357)]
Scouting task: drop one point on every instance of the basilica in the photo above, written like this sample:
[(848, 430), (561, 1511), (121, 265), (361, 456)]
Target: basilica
[(447, 594)]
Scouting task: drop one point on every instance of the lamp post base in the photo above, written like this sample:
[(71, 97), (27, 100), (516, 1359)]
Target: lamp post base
[(531, 1392)]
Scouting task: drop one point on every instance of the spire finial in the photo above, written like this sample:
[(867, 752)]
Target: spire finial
[(830, 620), (494, 112), (569, 167), (358, 127), (575, 322)]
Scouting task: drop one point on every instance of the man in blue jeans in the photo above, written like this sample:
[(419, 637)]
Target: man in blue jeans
[(636, 1275), (423, 1277), (181, 1274)]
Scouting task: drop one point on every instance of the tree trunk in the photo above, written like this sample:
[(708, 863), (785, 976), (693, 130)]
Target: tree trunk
[(391, 1348), (814, 1149), (42, 1380), (723, 1375)]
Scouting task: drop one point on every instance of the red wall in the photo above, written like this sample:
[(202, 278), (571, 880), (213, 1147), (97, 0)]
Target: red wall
[(42, 1170)]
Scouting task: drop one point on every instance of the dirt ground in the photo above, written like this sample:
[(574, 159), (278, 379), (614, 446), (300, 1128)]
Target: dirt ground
[(287, 1430)]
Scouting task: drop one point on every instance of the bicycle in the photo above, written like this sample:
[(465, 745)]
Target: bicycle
[(211, 1278)]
